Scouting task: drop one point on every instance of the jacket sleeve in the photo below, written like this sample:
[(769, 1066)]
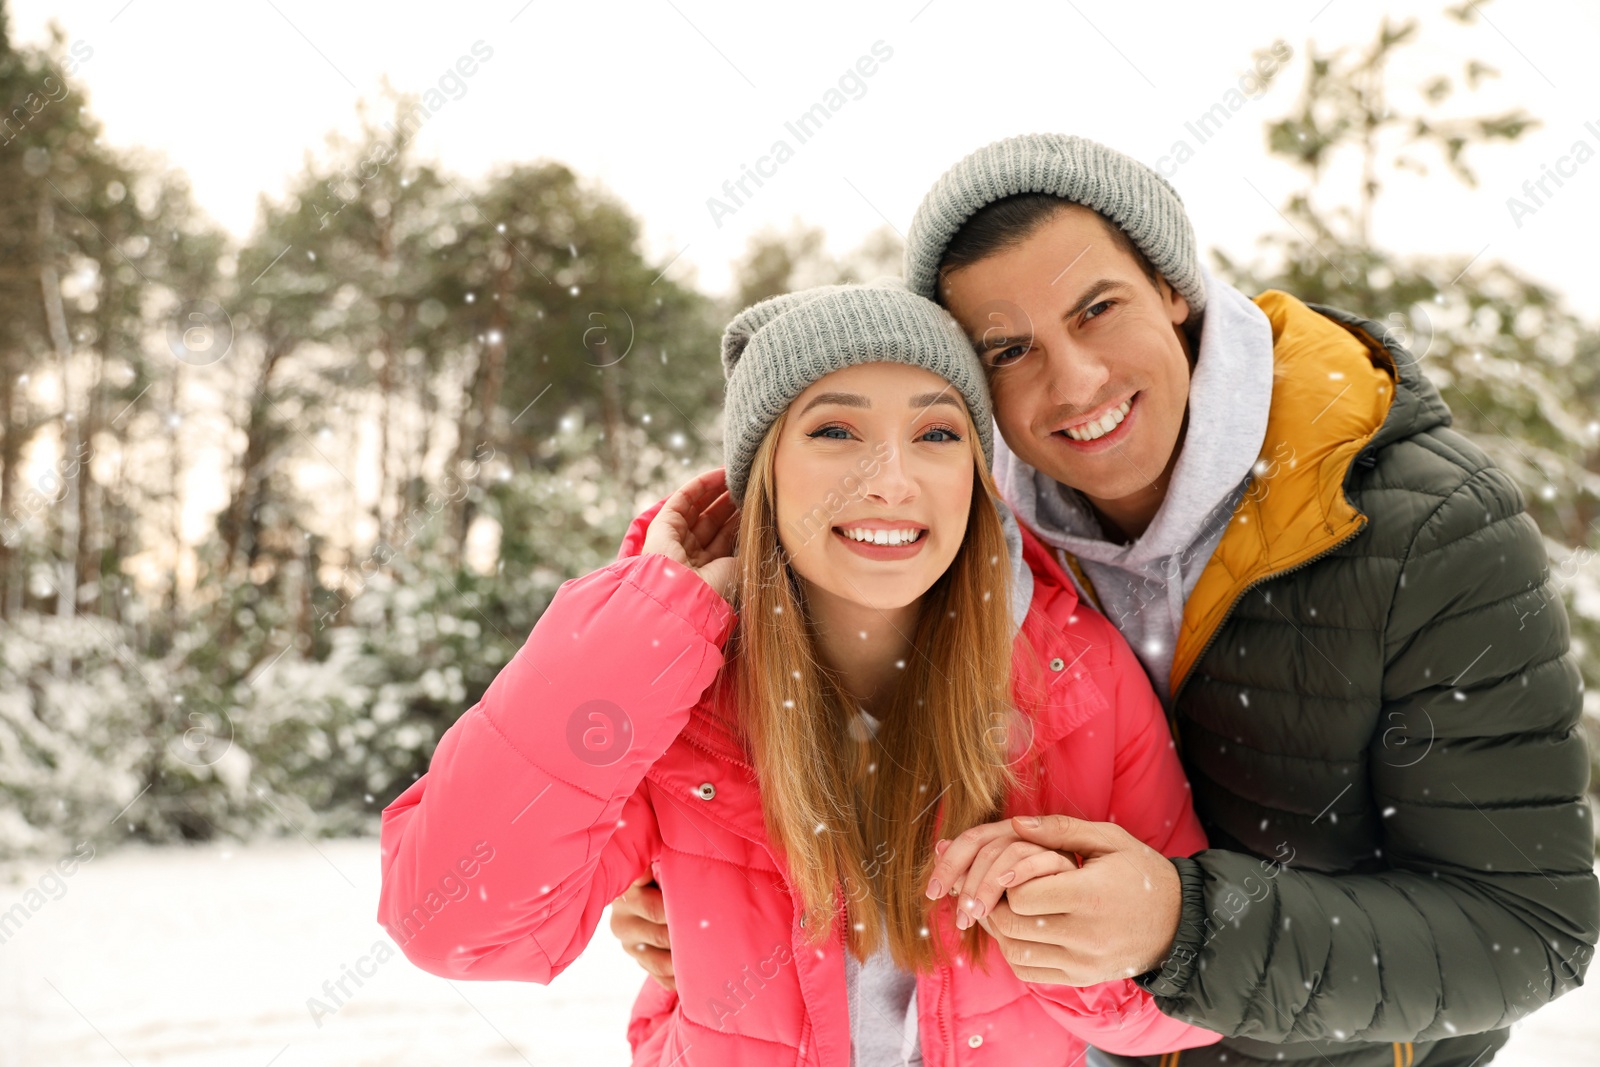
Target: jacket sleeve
[(532, 817), (1150, 799), (1119, 1017), (1488, 908)]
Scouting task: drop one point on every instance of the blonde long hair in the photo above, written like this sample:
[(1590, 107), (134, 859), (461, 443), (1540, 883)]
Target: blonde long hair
[(855, 814)]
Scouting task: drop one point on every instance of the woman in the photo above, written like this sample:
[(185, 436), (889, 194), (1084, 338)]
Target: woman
[(904, 665)]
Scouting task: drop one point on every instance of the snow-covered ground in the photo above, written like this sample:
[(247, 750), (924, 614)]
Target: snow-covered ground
[(210, 957)]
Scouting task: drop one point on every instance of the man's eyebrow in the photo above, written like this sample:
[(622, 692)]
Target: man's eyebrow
[(856, 400), (1093, 293), (1087, 299)]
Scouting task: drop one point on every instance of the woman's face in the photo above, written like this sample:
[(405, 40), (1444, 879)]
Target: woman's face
[(873, 477)]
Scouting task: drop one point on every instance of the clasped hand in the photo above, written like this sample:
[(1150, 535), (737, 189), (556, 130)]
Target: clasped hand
[(1084, 902)]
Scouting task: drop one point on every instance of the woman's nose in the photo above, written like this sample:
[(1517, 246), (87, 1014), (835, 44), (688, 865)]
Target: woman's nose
[(888, 483)]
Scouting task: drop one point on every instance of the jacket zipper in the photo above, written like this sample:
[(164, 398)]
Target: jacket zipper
[(690, 739), (1216, 630), (838, 891), (946, 974), (949, 1049)]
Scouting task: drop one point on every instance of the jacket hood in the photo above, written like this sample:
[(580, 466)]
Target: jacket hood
[(1342, 389), (1417, 405)]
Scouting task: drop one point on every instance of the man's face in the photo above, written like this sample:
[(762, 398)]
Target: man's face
[(1085, 356)]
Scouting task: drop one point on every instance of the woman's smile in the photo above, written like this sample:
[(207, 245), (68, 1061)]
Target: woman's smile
[(880, 540)]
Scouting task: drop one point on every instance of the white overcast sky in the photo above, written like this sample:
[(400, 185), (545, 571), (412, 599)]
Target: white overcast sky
[(664, 100)]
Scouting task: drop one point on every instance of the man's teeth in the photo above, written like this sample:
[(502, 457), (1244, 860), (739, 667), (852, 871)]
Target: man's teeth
[(1103, 425), (882, 537)]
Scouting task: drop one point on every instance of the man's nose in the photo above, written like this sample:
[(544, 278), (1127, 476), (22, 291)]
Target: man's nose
[(1074, 377)]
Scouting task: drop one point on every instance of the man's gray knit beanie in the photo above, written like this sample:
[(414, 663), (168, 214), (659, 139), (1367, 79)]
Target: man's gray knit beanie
[(774, 350), (1135, 198)]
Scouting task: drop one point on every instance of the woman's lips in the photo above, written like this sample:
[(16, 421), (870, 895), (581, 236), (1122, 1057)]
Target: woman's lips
[(884, 552)]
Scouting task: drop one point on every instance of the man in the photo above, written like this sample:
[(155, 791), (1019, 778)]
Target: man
[(1342, 603)]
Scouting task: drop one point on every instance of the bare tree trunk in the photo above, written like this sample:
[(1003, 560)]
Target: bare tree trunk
[(386, 370), (119, 532), (175, 481), (55, 317), (305, 610), (480, 420), (385, 416), (247, 486), (90, 494), (611, 410), (428, 407), (467, 431), (11, 518), (425, 408), (413, 440)]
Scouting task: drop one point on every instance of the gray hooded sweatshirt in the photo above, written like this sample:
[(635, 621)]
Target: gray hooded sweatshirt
[(1142, 585)]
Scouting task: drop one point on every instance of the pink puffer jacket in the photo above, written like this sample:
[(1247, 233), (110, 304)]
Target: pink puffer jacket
[(597, 754)]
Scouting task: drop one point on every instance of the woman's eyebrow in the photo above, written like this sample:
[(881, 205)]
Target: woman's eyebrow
[(943, 396), (856, 400)]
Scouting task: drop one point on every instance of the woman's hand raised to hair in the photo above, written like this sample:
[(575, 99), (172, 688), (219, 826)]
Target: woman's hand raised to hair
[(697, 527)]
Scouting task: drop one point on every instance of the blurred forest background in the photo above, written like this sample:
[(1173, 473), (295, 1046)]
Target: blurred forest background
[(273, 514)]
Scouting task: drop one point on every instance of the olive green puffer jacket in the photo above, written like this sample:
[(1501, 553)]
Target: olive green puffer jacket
[(1379, 716)]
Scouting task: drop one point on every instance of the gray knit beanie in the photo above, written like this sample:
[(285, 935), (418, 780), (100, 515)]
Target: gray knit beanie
[(774, 350), (1135, 198)]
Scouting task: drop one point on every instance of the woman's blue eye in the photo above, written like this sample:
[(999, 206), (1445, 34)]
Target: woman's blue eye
[(949, 435), (826, 434), (1100, 304)]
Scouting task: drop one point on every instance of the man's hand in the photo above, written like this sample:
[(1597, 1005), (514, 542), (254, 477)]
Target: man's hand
[(1116, 916), (639, 921)]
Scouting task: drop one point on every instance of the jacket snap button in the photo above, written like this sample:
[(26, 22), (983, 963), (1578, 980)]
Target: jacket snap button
[(1057, 664), (975, 1040), (706, 791)]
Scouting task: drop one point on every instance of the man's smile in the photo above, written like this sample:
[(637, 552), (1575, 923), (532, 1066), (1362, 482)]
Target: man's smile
[(1106, 428)]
